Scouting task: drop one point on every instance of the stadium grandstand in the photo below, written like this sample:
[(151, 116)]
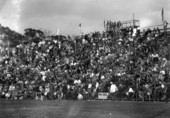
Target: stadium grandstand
[(120, 63)]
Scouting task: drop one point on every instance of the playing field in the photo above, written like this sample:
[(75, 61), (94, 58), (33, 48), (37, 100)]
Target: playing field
[(83, 109)]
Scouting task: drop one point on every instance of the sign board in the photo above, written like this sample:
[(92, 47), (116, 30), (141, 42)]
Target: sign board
[(103, 96)]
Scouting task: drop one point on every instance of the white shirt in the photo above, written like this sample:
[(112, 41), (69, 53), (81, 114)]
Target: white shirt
[(113, 88), (130, 90), (130, 39), (77, 81), (89, 85), (102, 77), (97, 84), (68, 86), (43, 78), (162, 86), (80, 97), (11, 88)]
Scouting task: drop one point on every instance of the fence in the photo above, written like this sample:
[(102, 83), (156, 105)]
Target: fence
[(136, 96), (121, 96)]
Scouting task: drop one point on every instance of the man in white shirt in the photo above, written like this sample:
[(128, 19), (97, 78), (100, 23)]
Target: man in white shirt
[(130, 93), (113, 89)]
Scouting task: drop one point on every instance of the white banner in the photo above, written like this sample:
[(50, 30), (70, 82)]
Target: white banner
[(103, 96)]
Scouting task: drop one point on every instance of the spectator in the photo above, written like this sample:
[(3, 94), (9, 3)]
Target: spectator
[(112, 90)]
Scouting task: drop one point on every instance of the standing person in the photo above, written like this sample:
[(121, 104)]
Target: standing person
[(64, 89), (167, 92), (60, 93), (40, 93), (89, 90), (113, 89), (130, 93)]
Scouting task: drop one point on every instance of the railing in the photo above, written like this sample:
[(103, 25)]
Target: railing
[(130, 24), (121, 96)]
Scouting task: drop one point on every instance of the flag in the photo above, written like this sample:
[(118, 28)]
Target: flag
[(133, 20), (162, 14), (104, 24), (80, 25), (58, 31)]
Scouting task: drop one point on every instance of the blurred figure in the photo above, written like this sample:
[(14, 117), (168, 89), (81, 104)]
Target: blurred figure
[(112, 90)]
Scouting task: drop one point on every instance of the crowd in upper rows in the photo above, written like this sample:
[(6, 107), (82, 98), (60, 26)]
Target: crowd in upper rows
[(64, 67)]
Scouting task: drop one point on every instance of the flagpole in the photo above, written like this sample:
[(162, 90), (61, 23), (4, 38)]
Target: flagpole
[(104, 26), (80, 28), (133, 20), (162, 14), (164, 22)]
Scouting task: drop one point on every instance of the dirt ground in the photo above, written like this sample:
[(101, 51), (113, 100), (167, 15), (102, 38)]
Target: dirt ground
[(83, 109)]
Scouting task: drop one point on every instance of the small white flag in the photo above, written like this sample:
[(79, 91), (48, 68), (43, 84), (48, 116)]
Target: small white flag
[(58, 31)]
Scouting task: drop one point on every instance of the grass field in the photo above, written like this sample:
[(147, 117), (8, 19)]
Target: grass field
[(83, 109)]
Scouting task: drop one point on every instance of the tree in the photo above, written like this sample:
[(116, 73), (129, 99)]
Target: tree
[(10, 37)]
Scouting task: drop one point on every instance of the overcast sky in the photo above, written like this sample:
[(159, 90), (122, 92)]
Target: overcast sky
[(66, 15)]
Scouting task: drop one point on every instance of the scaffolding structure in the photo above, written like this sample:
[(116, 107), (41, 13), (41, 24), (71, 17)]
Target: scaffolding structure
[(110, 26), (130, 24)]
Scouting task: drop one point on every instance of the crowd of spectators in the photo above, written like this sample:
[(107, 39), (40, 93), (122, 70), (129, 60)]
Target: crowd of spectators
[(57, 67)]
